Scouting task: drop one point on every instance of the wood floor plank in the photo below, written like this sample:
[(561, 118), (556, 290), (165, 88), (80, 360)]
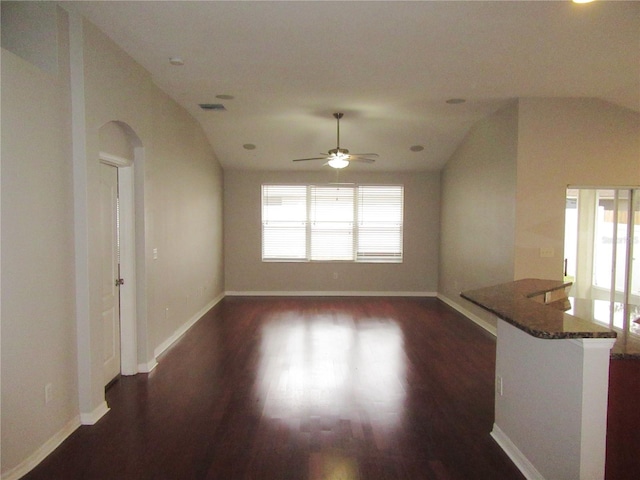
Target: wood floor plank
[(303, 388)]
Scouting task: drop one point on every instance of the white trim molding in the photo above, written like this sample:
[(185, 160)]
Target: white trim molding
[(80, 216), (114, 160), (184, 328), (148, 366), (41, 453), (517, 457), (338, 293), (93, 417)]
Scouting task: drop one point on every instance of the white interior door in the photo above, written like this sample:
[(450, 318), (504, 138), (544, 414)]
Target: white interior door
[(110, 270)]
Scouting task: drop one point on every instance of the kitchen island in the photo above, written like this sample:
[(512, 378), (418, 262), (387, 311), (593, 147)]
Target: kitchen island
[(552, 374)]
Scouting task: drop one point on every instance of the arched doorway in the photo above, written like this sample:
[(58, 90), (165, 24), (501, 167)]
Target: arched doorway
[(121, 150)]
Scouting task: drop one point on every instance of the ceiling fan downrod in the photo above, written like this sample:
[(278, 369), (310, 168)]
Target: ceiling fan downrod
[(338, 116), (340, 157)]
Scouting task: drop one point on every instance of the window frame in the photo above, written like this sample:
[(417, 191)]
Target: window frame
[(395, 226)]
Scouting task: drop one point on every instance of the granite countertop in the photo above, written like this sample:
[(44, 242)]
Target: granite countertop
[(627, 346), (513, 303)]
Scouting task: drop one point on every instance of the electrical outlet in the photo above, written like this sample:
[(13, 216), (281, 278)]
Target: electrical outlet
[(499, 389), (48, 393)]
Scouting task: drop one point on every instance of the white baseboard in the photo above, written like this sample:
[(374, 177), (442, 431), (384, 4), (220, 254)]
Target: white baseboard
[(471, 316), (50, 445), (148, 366), (92, 417), (339, 293), (517, 457), (41, 453), (184, 327)]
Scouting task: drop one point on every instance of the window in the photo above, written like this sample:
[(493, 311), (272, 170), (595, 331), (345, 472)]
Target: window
[(357, 223), (602, 238)]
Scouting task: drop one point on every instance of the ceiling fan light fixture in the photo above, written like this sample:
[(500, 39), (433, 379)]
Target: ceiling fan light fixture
[(339, 161), (340, 157)]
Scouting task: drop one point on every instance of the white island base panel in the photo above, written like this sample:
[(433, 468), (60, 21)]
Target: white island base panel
[(551, 403)]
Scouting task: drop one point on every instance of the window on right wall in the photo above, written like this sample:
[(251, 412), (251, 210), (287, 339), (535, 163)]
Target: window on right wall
[(602, 255)]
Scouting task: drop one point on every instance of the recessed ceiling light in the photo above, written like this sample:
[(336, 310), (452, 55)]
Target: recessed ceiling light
[(225, 97), (416, 148), (249, 146), (177, 61), (582, 1), (455, 101)]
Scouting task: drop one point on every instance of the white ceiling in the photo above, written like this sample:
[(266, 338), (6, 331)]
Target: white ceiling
[(388, 65)]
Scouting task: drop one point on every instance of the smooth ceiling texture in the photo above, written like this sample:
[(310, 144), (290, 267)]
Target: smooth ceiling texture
[(389, 66)]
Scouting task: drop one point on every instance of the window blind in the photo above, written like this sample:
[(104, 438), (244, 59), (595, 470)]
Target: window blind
[(332, 223), (284, 219), (379, 228)]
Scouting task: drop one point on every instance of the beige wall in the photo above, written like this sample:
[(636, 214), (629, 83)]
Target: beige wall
[(182, 219), (566, 142), (114, 140), (478, 210), (515, 167), (182, 188), (30, 30), (551, 143), (38, 328), (246, 273), (186, 218)]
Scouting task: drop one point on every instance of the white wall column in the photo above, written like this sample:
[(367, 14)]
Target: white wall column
[(551, 403), (90, 390)]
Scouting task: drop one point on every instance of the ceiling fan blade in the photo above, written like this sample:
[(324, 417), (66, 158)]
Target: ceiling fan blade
[(362, 160), (305, 159), (340, 157)]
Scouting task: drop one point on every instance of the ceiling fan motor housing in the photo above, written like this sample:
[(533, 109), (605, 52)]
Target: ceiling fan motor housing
[(340, 157), (336, 151)]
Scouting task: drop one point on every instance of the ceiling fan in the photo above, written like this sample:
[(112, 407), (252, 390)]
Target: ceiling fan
[(340, 157)]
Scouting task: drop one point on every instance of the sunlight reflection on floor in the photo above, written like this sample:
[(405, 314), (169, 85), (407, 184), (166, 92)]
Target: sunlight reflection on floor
[(333, 366)]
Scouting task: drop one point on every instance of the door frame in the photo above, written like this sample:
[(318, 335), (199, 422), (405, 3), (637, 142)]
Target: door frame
[(128, 318)]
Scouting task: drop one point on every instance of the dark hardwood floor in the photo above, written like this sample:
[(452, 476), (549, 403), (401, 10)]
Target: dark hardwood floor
[(303, 388)]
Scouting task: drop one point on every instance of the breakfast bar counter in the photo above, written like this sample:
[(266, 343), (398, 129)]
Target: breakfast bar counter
[(521, 303), (552, 373)]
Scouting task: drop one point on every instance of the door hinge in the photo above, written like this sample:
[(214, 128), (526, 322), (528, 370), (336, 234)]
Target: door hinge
[(119, 281)]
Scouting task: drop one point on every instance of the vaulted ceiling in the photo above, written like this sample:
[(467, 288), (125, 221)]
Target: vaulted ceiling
[(390, 66)]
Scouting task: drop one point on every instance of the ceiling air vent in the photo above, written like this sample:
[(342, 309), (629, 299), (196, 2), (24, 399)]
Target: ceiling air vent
[(212, 106)]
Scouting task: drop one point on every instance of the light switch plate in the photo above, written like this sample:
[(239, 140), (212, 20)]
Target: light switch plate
[(547, 252)]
